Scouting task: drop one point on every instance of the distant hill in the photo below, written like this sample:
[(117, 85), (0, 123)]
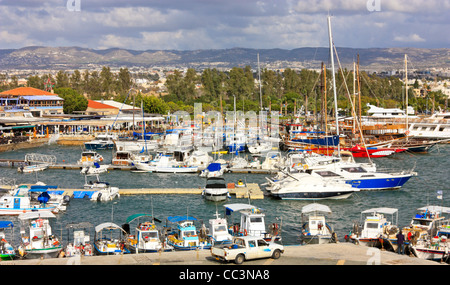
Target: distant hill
[(36, 57)]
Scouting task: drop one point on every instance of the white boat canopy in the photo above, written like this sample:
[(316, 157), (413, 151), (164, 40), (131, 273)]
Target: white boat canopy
[(35, 215), (440, 209), (109, 225), (316, 208), (238, 207), (390, 211)]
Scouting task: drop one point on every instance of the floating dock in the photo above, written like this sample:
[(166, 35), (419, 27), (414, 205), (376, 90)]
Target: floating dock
[(251, 191)]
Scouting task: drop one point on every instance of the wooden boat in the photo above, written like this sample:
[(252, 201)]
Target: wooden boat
[(185, 236), (146, 236), (81, 244), (315, 229), (39, 242), (112, 242)]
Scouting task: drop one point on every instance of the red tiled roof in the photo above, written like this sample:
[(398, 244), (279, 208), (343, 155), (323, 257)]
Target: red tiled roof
[(26, 91), (97, 105)]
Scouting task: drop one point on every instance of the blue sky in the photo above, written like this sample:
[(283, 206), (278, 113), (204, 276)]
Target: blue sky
[(218, 24)]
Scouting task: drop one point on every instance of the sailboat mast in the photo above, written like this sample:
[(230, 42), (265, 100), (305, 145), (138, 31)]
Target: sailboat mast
[(334, 82), (260, 89), (406, 92)]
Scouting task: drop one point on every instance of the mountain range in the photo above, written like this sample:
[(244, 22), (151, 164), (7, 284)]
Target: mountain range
[(36, 57)]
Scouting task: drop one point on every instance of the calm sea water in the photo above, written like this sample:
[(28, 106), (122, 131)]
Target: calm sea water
[(432, 168)]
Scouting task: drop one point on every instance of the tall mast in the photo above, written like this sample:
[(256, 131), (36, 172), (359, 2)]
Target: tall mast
[(334, 82), (260, 90), (406, 92)]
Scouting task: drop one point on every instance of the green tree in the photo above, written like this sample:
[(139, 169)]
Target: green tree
[(73, 101)]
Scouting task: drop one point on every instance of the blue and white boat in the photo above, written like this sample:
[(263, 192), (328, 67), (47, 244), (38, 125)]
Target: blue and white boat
[(185, 235), (101, 142), (18, 203)]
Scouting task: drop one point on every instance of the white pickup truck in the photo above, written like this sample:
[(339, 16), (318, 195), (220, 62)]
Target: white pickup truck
[(245, 248)]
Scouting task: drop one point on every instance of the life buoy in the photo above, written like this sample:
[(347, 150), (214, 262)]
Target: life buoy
[(305, 166)]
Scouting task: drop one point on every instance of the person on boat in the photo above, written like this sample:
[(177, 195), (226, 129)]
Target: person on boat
[(400, 243)]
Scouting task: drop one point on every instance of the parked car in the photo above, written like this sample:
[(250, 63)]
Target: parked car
[(246, 248)]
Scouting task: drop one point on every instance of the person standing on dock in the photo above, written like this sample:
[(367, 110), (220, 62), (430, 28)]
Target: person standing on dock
[(400, 243)]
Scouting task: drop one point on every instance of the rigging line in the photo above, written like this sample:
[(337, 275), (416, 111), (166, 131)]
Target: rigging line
[(370, 89), (353, 109)]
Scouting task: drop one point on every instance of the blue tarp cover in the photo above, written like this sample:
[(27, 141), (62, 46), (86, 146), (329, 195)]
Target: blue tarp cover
[(174, 219), (214, 167), (5, 224), (82, 194)]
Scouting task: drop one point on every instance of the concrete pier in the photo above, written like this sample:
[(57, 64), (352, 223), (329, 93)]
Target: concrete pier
[(326, 254)]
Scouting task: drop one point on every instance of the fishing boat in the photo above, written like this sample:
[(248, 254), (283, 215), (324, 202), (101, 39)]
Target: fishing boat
[(47, 195), (101, 141), (218, 230), (39, 241), (315, 229), (304, 186), (215, 190), (252, 222), (185, 235), (146, 236), (7, 251), (14, 205), (374, 229), (89, 157), (436, 248), (425, 222), (102, 191), (81, 243), (110, 239)]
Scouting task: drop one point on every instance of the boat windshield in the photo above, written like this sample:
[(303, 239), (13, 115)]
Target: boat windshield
[(151, 234), (220, 228), (354, 169), (189, 233), (327, 173), (372, 225), (256, 220), (421, 222)]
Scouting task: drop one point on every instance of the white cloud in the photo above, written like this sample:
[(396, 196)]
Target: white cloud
[(412, 38), (203, 24)]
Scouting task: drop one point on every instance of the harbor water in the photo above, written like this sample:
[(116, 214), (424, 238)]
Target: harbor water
[(433, 173)]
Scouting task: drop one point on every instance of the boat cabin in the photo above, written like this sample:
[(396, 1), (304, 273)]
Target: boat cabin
[(218, 229), (428, 219), (375, 222)]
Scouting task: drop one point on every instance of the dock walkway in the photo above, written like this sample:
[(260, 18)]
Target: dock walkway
[(252, 190)]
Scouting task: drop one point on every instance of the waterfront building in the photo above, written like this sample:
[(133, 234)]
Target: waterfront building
[(28, 101)]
